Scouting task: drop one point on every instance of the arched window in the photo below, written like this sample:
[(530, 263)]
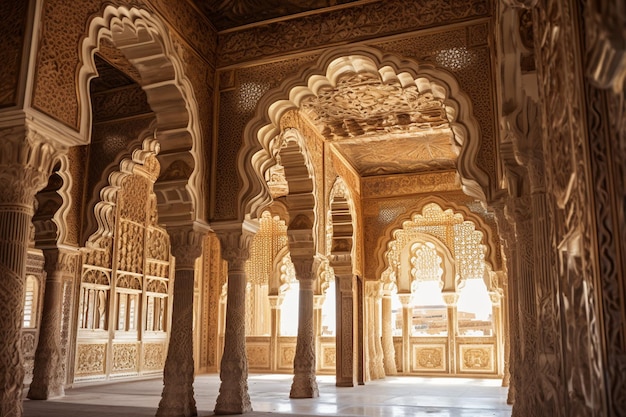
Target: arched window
[(430, 313), (31, 302)]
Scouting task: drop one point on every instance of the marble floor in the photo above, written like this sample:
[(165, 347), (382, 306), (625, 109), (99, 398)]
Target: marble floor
[(391, 397)]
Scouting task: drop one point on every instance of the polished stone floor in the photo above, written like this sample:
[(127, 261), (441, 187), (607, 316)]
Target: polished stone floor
[(391, 397)]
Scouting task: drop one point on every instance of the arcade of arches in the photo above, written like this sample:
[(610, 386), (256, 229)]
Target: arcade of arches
[(359, 187)]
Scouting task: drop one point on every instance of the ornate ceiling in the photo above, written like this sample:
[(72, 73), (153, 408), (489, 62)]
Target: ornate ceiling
[(382, 127), (227, 14)]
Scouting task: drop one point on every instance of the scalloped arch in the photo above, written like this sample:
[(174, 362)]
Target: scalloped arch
[(255, 155), (104, 210), (491, 259), (144, 39), (341, 221)]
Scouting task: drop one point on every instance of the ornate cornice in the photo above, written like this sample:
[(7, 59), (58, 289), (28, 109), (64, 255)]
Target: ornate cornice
[(357, 23)]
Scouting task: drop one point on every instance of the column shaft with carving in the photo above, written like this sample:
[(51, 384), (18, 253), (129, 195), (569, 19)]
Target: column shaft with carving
[(178, 395), (25, 162), (304, 382), (376, 366), (233, 397), (344, 316), (389, 351), (48, 376)]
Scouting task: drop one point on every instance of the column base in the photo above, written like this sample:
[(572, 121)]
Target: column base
[(233, 401), (304, 387)]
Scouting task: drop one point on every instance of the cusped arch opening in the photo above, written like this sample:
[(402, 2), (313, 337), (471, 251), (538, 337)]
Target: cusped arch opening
[(145, 42)]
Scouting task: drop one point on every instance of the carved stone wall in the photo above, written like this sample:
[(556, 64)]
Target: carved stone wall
[(11, 50), (362, 22)]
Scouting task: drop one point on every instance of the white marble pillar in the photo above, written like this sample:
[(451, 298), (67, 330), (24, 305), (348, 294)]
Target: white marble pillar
[(407, 323), (275, 303), (25, 163), (177, 398), (48, 374), (233, 397), (304, 382), (453, 327), (496, 317), (389, 351)]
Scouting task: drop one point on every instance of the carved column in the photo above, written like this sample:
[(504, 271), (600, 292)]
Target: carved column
[(318, 303), (275, 303), (389, 351), (25, 163), (407, 322), (497, 326), (304, 383), (177, 398), (453, 327), (344, 317), (48, 374), (376, 366), (233, 397)]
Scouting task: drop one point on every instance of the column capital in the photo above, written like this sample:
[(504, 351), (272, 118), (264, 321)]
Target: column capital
[(374, 289), (61, 260), (405, 299), (235, 240), (450, 298), (276, 301), (26, 161), (186, 244)]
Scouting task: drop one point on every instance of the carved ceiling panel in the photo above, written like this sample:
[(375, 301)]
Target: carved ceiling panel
[(381, 127)]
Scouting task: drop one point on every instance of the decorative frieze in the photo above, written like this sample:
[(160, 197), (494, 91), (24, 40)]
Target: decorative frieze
[(358, 23)]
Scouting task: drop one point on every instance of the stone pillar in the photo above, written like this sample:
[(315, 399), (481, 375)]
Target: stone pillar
[(453, 327), (304, 383), (344, 318), (275, 303), (26, 161), (177, 398), (389, 350), (233, 397), (48, 374), (497, 326), (318, 303), (407, 322), (376, 367)]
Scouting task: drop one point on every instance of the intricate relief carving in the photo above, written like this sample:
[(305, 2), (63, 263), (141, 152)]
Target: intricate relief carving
[(186, 246), (349, 108), (125, 357), (26, 159), (90, 359), (96, 276), (429, 358), (329, 357), (11, 50), (388, 186), (475, 358), (157, 286), (356, 23), (132, 282), (157, 245), (153, 356), (258, 355)]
